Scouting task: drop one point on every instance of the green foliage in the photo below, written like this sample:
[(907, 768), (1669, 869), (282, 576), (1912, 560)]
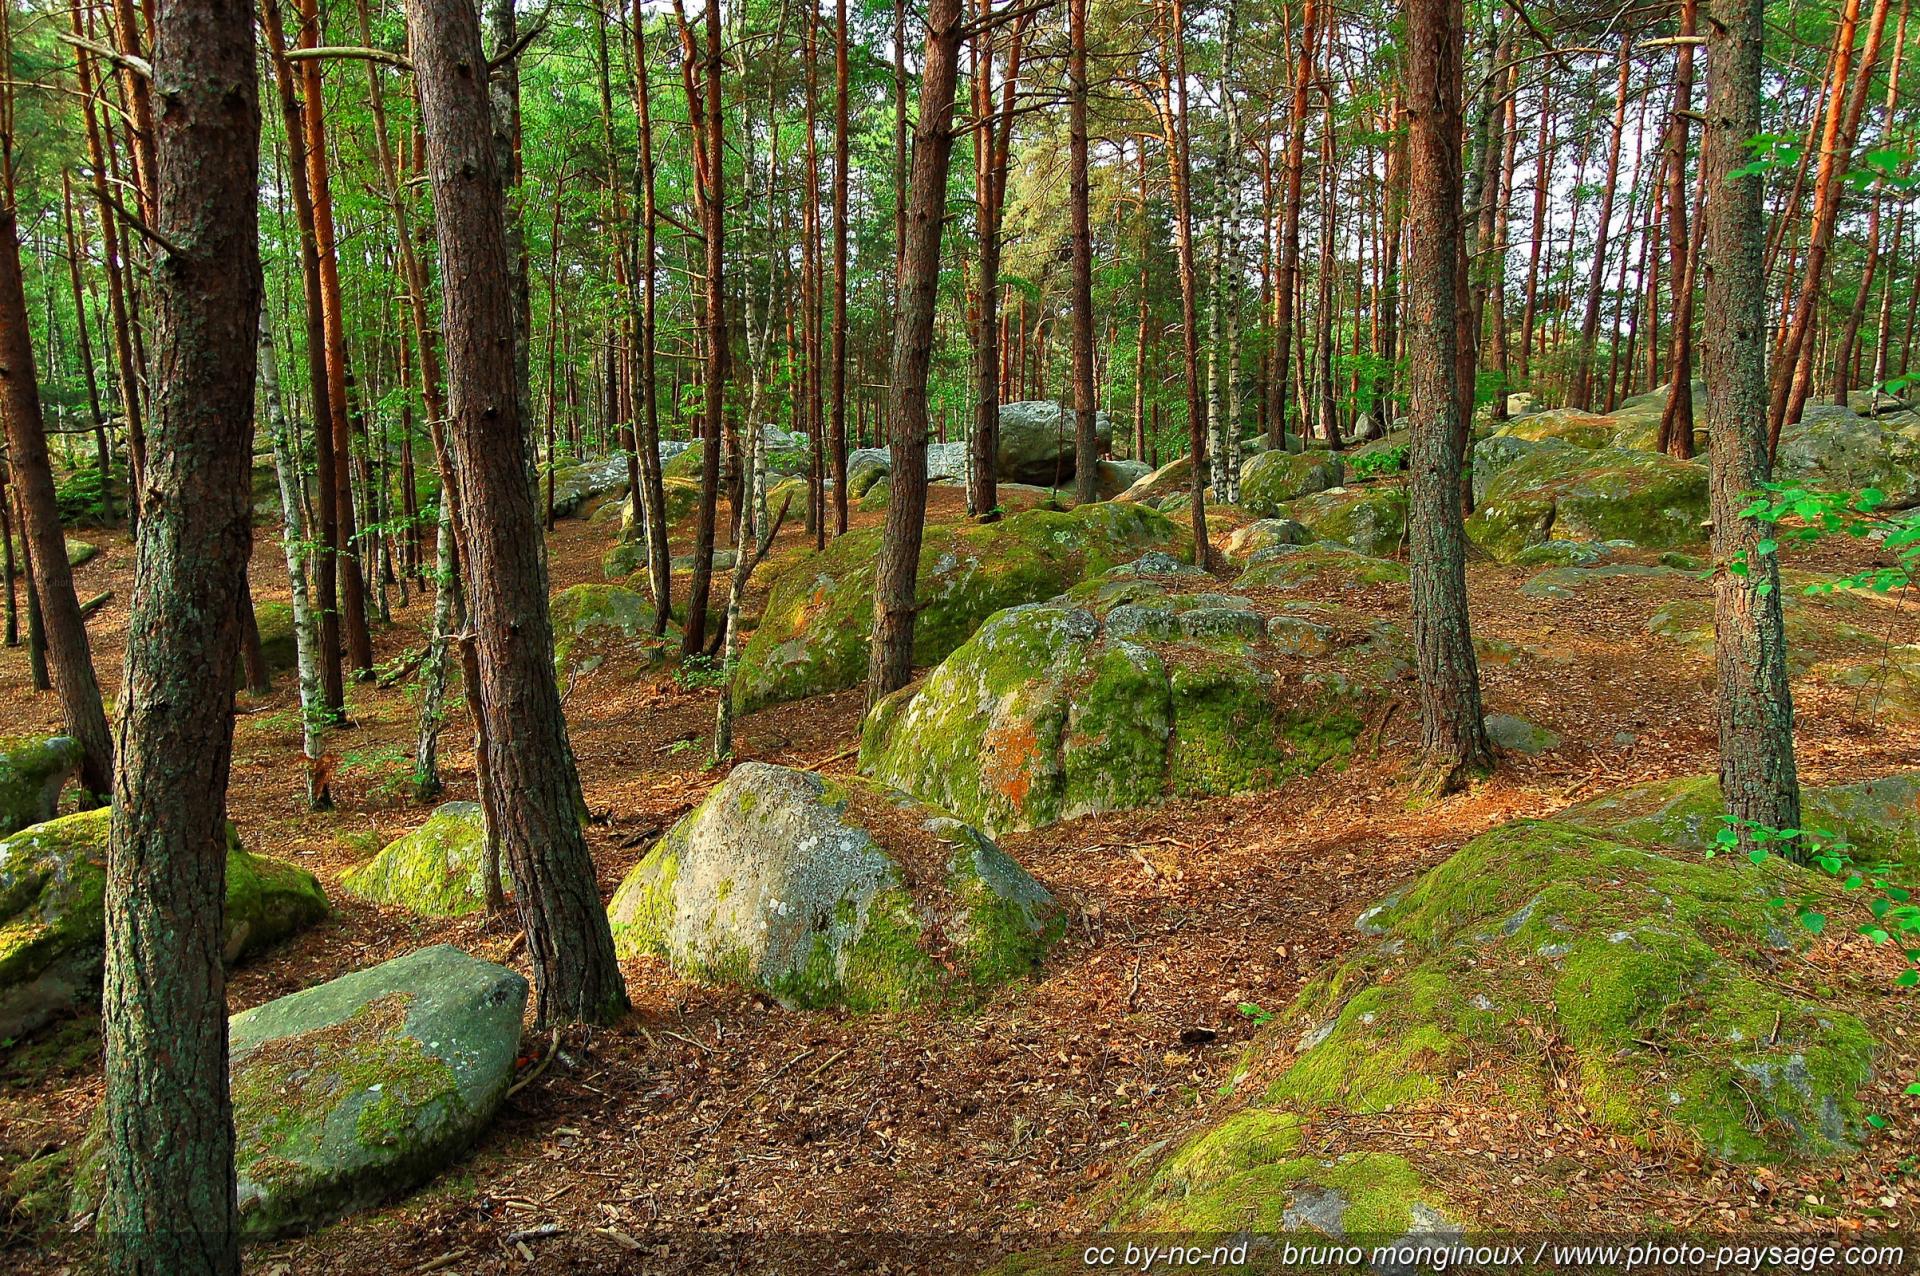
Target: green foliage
[(81, 497), (1803, 515), (1379, 462)]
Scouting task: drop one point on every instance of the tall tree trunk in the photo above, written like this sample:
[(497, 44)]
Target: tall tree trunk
[(1173, 115), (1844, 359), (556, 892), (1453, 736), (32, 476), (650, 498), (890, 660), (1757, 775), (1086, 450), (1288, 285), (1582, 393), (170, 1194), (713, 205), (1676, 420), (838, 366), (1792, 373)]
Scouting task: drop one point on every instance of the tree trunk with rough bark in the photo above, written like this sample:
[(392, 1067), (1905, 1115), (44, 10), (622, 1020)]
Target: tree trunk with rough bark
[(1453, 736), (170, 1193), (533, 775), (1755, 703)]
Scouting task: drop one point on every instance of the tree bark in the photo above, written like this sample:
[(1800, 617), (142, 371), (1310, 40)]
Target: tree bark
[(1755, 703), (1288, 284), (556, 891), (1086, 451), (1453, 737), (890, 660), (170, 1194), (1582, 394)]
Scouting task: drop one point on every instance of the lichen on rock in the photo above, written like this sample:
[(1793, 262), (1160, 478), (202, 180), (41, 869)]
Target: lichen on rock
[(437, 870), (826, 892), (34, 770)]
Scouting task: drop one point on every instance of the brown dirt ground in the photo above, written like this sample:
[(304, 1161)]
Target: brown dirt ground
[(714, 1130)]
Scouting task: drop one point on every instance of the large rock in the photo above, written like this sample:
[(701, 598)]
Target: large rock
[(1569, 425), (1541, 964), (682, 497), (813, 636), (1117, 695), (1265, 533), (53, 881), (1269, 480), (593, 623), (1833, 449), (576, 485), (1171, 479), (1115, 477), (1555, 491), (1036, 442), (365, 1087), (833, 892), (33, 772), (79, 553), (1290, 567), (437, 870), (1371, 517)]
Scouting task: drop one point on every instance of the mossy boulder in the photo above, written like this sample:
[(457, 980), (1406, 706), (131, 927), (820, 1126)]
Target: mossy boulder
[(34, 770), (682, 497), (593, 623), (1568, 582), (1638, 419), (813, 636), (1885, 682), (1265, 533), (1569, 425), (364, 1087), (79, 552), (1269, 480), (438, 870), (1371, 518), (1117, 695), (1878, 818), (1835, 449), (53, 881), (1541, 956), (1111, 478), (1288, 567), (1810, 629), (833, 892), (1171, 479), (1556, 491), (277, 643)]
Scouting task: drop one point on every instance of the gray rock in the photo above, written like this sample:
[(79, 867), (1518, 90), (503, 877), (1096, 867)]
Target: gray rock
[(1265, 532), (1517, 735), (368, 1085), (1036, 443), (1271, 479), (833, 892)]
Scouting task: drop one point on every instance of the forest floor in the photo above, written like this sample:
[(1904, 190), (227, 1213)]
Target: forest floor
[(714, 1130)]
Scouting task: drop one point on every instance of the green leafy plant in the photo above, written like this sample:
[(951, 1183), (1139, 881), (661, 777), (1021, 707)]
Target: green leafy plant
[(1802, 515), (1379, 462), (700, 672), (1258, 1015)]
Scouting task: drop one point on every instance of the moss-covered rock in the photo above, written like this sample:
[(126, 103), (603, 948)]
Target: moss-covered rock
[(53, 881), (1171, 479), (1879, 819), (833, 892), (438, 870), (1556, 491), (1035, 442), (34, 770), (682, 497), (1117, 695), (364, 1087), (1834, 449), (277, 643), (1569, 425), (1810, 629), (1886, 682), (1568, 582), (1286, 567), (593, 623), (1371, 518), (1264, 533), (813, 636), (1539, 956), (1269, 480)]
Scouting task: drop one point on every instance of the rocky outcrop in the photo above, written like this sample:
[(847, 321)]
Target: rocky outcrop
[(1036, 442), (594, 624), (1270, 480), (1552, 490), (833, 891)]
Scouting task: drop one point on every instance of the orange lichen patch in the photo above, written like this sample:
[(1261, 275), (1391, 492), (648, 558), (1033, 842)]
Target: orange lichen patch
[(1008, 753)]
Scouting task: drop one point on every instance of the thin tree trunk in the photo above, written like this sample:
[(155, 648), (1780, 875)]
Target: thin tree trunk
[(32, 477), (650, 500), (1849, 341), (1288, 284), (1086, 452), (1582, 394), (838, 366)]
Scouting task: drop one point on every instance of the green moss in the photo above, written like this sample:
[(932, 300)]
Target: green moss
[(1288, 567), (1223, 735), (33, 772), (437, 870), (1371, 518), (1557, 492), (1393, 1044), (592, 620)]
